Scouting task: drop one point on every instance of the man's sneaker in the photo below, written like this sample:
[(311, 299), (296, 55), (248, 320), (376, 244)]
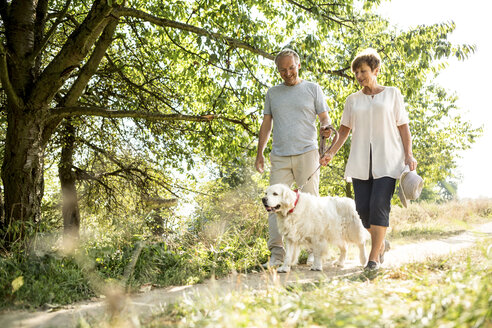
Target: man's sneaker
[(371, 266), (387, 247), (272, 263)]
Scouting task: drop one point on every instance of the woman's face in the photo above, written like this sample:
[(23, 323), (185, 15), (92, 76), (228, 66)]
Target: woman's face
[(365, 76)]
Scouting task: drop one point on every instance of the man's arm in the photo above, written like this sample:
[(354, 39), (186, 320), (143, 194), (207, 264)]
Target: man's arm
[(406, 138), (324, 119), (324, 122), (264, 135)]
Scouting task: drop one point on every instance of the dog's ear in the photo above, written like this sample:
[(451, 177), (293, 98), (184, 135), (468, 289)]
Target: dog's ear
[(288, 200)]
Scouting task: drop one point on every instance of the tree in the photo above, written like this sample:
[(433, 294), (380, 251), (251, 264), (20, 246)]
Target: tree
[(193, 74), (51, 50)]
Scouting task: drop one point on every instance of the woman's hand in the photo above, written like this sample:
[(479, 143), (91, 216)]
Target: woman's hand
[(411, 162), (326, 159)]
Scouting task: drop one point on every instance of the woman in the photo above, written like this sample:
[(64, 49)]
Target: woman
[(381, 147)]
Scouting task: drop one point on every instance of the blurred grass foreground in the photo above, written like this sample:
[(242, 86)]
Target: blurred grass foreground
[(229, 234)]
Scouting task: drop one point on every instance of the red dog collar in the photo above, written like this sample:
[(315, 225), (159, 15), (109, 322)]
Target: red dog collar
[(297, 198)]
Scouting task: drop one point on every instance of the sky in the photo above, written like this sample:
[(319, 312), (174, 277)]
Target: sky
[(467, 78)]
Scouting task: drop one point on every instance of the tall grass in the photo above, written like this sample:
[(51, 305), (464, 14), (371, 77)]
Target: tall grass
[(432, 220), (452, 291), (228, 233)]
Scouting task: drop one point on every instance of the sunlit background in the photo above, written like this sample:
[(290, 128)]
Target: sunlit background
[(470, 79)]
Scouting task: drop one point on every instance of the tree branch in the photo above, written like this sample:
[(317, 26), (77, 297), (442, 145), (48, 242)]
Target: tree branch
[(339, 72), (195, 54), (92, 64), (190, 28), (62, 112), (4, 11), (39, 27), (82, 175), (139, 87), (71, 55), (4, 78), (311, 11), (40, 46)]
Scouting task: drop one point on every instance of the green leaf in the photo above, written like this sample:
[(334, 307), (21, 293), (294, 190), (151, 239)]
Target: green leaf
[(17, 283)]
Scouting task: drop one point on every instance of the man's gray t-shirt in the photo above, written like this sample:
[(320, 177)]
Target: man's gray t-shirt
[(294, 110)]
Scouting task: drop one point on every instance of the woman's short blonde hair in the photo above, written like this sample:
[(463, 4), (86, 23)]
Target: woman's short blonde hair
[(369, 56)]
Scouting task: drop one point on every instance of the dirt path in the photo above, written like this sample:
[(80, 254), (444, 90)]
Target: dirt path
[(141, 305)]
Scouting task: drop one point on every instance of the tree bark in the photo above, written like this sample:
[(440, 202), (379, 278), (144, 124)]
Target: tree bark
[(22, 174), (68, 178), (70, 207), (29, 97)]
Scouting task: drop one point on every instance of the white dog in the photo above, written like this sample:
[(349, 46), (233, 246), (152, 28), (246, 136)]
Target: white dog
[(305, 220)]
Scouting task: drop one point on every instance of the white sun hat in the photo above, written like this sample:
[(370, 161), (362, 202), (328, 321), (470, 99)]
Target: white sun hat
[(411, 185)]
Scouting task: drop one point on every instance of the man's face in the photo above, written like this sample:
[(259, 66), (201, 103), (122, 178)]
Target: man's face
[(288, 69)]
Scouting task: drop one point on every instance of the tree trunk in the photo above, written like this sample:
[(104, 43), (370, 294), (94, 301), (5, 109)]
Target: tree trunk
[(70, 207), (22, 174)]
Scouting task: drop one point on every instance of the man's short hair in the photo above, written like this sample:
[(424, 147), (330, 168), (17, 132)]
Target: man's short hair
[(369, 56), (287, 52)]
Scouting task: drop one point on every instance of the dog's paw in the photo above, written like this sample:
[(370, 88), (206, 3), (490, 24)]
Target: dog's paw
[(338, 264), (316, 268), (283, 269)]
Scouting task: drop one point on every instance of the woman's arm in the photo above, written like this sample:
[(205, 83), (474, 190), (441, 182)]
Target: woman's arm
[(406, 138), (343, 133)]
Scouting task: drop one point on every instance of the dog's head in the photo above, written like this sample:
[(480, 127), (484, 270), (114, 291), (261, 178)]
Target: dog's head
[(279, 198)]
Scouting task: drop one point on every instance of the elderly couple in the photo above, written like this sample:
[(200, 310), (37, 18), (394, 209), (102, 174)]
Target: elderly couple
[(381, 143)]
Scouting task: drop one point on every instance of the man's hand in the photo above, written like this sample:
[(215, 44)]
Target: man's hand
[(325, 131), (260, 163)]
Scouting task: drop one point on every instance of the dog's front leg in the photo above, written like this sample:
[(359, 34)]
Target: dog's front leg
[(289, 256)]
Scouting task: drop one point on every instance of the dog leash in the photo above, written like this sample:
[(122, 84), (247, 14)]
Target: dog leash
[(322, 151)]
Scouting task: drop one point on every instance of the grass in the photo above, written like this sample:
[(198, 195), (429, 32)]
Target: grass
[(452, 291), (228, 235), (421, 221)]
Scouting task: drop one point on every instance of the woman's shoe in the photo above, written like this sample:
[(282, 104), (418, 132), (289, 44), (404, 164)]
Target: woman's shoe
[(371, 266)]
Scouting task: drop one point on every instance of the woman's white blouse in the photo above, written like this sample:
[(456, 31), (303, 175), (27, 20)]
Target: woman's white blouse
[(374, 121)]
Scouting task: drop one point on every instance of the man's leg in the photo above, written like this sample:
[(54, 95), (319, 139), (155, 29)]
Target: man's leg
[(280, 172), (303, 166)]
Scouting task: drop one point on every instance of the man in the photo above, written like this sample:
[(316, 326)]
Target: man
[(291, 107)]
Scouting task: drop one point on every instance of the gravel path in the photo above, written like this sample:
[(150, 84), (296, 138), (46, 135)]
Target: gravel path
[(144, 304)]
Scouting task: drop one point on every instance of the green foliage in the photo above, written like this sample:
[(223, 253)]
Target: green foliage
[(227, 235), (47, 280)]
